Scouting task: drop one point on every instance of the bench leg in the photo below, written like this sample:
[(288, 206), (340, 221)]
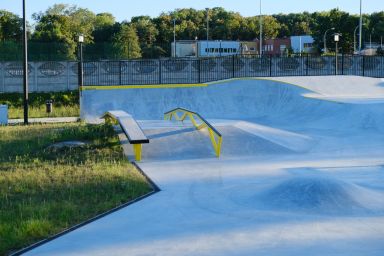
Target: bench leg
[(137, 150)]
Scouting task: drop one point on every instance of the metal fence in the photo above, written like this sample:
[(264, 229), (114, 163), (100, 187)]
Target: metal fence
[(202, 70)]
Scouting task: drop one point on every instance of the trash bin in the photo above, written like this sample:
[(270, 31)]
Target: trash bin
[(49, 106), (3, 114)]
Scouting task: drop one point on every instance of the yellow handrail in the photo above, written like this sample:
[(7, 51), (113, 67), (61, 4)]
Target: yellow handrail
[(214, 134)]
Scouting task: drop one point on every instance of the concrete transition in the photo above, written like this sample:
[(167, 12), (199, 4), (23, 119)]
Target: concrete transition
[(301, 171)]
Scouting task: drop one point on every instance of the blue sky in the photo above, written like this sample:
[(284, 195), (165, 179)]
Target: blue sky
[(125, 9)]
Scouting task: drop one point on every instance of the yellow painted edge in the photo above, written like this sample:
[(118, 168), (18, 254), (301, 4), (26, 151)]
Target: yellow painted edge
[(150, 86)]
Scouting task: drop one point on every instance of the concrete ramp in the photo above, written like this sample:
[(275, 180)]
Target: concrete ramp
[(237, 99)]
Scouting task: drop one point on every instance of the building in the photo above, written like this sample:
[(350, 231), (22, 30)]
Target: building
[(184, 48), (302, 44), (278, 46), (193, 48), (249, 48), (217, 48)]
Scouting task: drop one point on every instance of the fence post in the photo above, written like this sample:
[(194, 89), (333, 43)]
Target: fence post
[(233, 66), (270, 64), (160, 71), (120, 72), (306, 65), (363, 65), (199, 69), (342, 63)]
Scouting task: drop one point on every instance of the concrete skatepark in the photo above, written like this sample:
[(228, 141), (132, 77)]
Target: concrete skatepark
[(300, 172)]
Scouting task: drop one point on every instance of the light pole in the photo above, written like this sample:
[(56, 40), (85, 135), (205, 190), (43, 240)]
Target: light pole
[(360, 28), (337, 39), (325, 39), (354, 39), (80, 65), (207, 30), (174, 36), (220, 50), (370, 38), (261, 31), (25, 66)]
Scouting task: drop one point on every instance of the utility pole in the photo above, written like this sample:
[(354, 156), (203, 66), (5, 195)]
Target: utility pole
[(261, 31), (174, 36), (207, 31), (354, 39), (360, 28), (25, 66)]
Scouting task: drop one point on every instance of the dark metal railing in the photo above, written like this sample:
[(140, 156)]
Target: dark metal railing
[(203, 70)]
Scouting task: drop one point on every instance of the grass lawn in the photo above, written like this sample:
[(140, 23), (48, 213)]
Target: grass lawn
[(35, 112), (66, 104), (44, 190)]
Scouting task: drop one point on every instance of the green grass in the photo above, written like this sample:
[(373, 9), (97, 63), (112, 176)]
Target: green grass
[(36, 112), (45, 190), (66, 104)]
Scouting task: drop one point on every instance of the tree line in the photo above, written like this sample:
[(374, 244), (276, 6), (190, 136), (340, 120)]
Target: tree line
[(56, 30)]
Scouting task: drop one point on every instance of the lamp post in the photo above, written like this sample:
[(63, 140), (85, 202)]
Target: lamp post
[(174, 36), (207, 9), (370, 38), (220, 50), (80, 64), (337, 39), (325, 39), (261, 31), (25, 66), (354, 39), (360, 27)]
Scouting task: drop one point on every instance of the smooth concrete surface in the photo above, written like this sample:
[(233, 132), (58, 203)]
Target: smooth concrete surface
[(234, 99), (297, 175)]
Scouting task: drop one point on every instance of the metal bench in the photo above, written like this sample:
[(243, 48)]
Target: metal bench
[(130, 127)]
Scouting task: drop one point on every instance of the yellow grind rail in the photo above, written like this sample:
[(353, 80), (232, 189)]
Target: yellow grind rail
[(180, 114)]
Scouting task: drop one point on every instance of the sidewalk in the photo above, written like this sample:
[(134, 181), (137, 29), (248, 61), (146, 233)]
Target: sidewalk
[(45, 120)]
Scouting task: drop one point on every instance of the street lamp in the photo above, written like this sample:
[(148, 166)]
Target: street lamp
[(360, 28), (325, 39), (25, 66), (80, 64), (174, 36), (261, 31), (220, 50), (354, 39), (336, 39), (370, 39)]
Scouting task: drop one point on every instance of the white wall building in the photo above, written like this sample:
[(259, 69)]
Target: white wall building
[(191, 48), (302, 44), (218, 48)]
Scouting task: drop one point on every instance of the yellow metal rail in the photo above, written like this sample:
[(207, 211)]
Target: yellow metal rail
[(180, 114)]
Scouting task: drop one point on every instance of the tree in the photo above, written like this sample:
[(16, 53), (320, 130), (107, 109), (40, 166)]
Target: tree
[(126, 42), (11, 26), (105, 28), (56, 29)]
